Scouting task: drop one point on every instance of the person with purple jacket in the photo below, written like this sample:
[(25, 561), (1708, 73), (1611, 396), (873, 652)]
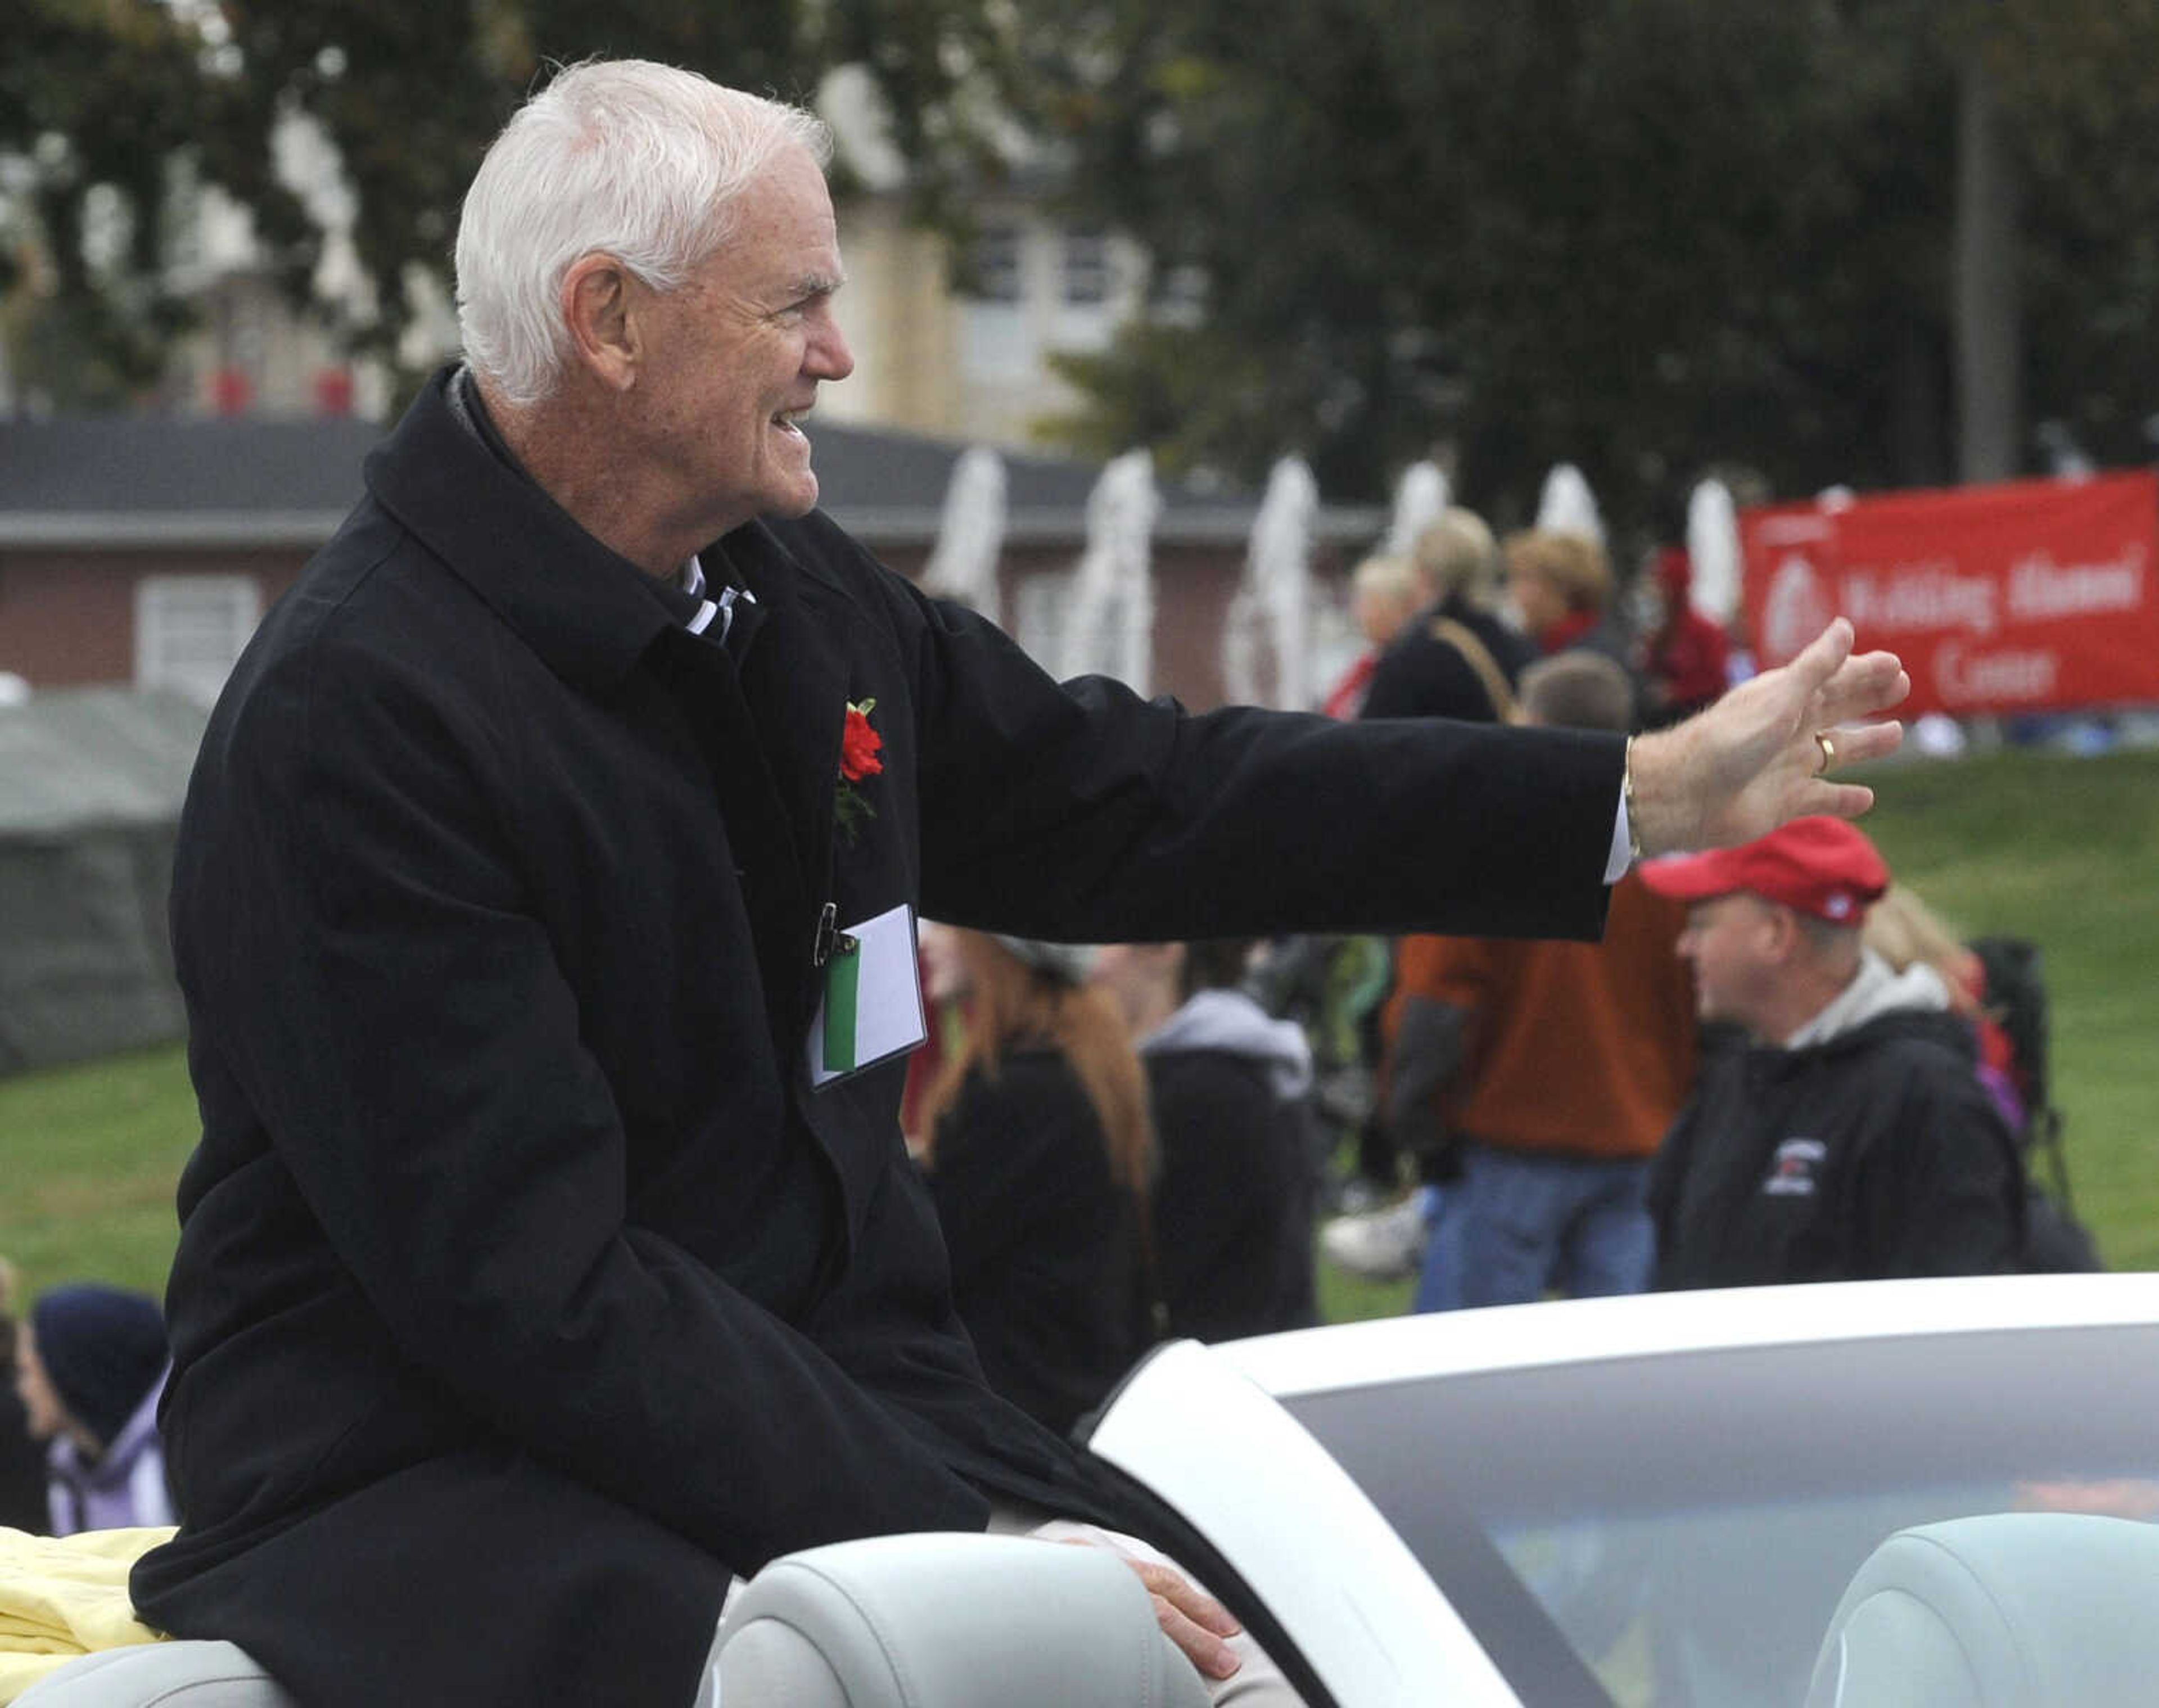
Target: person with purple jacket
[(90, 1365)]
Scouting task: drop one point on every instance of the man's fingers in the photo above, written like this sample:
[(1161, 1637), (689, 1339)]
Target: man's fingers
[(1841, 801), (1823, 794), (1861, 687), (1859, 742), (1205, 1650), (1191, 1619), (1194, 1621), (1823, 656), (1186, 1598)]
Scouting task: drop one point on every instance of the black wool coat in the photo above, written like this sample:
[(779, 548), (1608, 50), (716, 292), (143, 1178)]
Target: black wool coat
[(524, 1287)]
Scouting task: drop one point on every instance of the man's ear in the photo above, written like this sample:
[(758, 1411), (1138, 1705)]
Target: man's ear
[(1788, 936), (597, 311)]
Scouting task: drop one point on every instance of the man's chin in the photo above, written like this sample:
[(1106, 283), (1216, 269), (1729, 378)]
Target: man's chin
[(796, 500)]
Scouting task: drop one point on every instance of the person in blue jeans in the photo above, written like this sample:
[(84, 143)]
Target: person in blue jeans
[(1548, 1072), (1513, 1227)]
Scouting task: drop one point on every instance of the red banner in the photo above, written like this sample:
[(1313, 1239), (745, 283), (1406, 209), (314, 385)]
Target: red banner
[(2030, 596)]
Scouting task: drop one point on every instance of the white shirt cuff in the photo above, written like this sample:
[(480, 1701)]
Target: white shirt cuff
[(1617, 860)]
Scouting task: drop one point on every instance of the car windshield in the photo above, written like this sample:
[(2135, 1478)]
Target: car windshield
[(1676, 1530)]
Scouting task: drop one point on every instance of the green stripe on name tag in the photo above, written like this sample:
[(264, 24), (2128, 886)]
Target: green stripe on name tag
[(843, 978)]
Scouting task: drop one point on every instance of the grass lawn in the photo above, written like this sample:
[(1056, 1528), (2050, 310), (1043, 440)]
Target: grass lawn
[(93, 1153), (2063, 851)]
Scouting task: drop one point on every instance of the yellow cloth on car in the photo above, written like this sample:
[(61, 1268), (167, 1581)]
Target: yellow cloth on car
[(61, 1596)]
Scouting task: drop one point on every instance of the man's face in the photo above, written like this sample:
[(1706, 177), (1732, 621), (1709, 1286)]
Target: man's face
[(733, 356), (1730, 942)]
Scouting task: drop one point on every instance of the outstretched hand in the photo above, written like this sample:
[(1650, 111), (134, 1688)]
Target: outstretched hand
[(1752, 761)]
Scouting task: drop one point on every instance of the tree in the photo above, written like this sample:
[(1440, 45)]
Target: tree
[(1645, 235), (94, 100), (2072, 78), (104, 103)]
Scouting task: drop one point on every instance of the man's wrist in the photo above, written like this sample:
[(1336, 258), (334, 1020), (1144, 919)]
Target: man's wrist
[(1656, 816)]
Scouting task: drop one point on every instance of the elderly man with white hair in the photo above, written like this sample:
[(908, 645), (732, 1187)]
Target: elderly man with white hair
[(544, 906)]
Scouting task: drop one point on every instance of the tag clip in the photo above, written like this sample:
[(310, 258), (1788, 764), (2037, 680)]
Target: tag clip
[(831, 940)]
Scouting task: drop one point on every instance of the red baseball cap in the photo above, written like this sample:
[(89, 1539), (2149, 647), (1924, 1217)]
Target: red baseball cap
[(1824, 866)]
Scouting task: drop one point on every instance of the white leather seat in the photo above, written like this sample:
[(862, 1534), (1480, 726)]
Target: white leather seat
[(947, 1620), (937, 1621), (159, 1675), (2010, 1610)]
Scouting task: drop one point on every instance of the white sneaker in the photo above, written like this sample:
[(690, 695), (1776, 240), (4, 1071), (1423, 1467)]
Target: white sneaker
[(1385, 1245)]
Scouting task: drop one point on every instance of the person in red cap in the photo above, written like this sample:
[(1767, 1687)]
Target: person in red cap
[(1847, 1136)]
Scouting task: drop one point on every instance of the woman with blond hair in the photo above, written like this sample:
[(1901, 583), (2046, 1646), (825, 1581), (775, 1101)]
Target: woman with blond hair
[(1905, 932), (1561, 584), (1039, 1154), (1455, 659), (1384, 596)]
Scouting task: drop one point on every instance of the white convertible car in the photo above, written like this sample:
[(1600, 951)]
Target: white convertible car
[(1905, 1494), (1666, 1500)]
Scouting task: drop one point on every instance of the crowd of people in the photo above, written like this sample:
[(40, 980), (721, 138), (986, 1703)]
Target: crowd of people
[(1775, 1066)]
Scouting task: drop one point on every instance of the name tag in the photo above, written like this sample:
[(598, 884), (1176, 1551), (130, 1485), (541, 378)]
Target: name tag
[(870, 1008)]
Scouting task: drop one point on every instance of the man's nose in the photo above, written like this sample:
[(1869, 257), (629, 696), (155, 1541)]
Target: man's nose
[(828, 357)]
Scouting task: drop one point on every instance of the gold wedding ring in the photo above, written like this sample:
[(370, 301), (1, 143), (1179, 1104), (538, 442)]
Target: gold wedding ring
[(1827, 750)]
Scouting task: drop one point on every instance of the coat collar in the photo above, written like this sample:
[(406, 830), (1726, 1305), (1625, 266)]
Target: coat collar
[(588, 612), (591, 615)]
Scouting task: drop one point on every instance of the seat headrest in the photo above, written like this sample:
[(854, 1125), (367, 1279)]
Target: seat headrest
[(2008, 1610), (949, 1621)]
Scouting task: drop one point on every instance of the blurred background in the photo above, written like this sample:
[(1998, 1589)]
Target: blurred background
[(1166, 317)]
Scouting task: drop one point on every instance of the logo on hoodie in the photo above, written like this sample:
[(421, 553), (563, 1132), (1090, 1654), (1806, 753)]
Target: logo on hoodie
[(1793, 1170)]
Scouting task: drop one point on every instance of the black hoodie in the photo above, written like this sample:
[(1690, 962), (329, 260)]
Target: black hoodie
[(1874, 1153)]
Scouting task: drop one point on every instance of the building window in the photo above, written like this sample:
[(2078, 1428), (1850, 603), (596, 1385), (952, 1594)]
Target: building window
[(993, 263), (1086, 269), (189, 630)]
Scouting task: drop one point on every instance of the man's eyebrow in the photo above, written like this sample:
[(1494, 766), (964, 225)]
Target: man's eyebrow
[(817, 284)]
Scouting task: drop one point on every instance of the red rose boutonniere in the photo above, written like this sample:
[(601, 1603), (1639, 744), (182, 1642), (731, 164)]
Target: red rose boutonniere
[(858, 759)]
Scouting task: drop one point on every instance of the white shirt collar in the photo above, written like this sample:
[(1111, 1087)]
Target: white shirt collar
[(691, 581)]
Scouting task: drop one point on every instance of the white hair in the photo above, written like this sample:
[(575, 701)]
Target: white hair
[(625, 157)]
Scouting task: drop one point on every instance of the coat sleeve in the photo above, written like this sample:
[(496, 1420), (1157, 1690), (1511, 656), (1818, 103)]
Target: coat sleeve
[(1452, 970), (399, 1019), (1082, 812)]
